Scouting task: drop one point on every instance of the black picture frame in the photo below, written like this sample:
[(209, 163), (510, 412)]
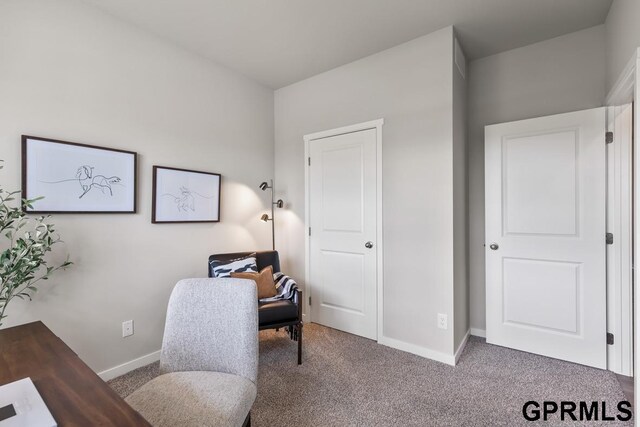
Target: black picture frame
[(186, 201), (82, 182)]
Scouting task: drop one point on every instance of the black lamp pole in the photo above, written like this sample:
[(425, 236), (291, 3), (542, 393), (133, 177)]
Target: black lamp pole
[(273, 221), (266, 218)]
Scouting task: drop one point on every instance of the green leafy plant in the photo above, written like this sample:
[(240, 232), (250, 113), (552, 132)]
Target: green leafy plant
[(24, 241)]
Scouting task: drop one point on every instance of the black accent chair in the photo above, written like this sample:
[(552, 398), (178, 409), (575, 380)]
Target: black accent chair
[(277, 314)]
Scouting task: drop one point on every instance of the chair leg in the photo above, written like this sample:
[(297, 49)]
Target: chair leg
[(299, 327)]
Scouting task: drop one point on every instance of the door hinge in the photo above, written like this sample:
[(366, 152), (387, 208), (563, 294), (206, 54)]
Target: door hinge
[(609, 238), (609, 338), (309, 160), (608, 138), (309, 231), (309, 301)]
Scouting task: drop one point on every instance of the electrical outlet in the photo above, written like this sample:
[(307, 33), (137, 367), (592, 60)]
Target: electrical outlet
[(127, 328), (442, 321)]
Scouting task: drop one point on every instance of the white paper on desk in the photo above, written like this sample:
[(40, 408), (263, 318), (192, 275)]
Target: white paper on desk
[(31, 411)]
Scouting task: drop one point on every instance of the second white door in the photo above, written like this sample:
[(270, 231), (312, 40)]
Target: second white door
[(343, 221), (545, 230)]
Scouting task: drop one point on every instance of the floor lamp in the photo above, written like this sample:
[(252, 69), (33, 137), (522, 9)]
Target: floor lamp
[(278, 203)]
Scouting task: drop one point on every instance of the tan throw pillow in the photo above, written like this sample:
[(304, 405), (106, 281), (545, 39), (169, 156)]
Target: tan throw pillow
[(264, 280)]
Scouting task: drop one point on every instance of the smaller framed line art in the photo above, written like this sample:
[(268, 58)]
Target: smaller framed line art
[(183, 195), (77, 178)]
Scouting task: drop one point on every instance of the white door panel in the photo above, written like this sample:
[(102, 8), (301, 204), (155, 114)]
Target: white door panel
[(540, 184), (342, 213), (350, 295), (545, 212)]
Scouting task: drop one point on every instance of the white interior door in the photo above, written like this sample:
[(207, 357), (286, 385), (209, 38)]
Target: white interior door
[(545, 236), (342, 217)]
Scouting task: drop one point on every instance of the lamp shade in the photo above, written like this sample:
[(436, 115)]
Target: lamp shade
[(265, 217)]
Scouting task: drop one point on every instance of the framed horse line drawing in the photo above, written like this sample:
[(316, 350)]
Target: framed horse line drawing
[(77, 178), (183, 195)]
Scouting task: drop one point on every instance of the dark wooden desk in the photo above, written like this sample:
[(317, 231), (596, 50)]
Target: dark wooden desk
[(74, 394)]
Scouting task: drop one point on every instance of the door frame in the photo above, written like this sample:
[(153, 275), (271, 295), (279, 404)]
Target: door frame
[(377, 125), (621, 354), (636, 220), (619, 253)]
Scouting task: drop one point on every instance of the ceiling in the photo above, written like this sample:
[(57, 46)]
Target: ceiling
[(279, 42)]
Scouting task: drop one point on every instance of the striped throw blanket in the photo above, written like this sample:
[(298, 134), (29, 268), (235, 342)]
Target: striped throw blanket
[(286, 288)]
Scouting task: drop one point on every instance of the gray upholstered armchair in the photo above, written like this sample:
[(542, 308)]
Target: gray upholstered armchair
[(209, 358)]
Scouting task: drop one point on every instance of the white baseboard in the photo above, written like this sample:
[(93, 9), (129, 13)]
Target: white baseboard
[(478, 332), (438, 356), (449, 359), (462, 346), (116, 371)]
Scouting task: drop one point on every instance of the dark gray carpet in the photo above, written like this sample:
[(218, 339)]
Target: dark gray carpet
[(351, 381)]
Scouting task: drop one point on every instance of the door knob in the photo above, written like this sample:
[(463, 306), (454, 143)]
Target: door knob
[(368, 245), (494, 246)]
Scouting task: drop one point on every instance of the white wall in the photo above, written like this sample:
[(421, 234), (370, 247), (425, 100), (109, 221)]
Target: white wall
[(563, 74), (409, 86), (460, 207), (622, 36), (74, 73)]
